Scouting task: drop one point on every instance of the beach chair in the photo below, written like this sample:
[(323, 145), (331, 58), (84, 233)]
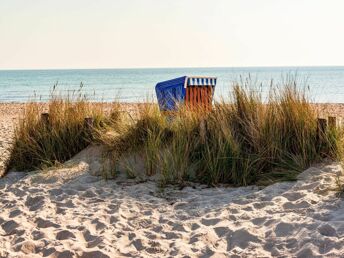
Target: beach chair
[(195, 92)]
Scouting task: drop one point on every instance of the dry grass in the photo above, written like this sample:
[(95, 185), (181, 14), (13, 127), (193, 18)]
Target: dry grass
[(242, 142), (41, 143), (245, 141)]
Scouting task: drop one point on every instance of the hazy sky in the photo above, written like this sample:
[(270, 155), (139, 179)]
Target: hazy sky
[(170, 33)]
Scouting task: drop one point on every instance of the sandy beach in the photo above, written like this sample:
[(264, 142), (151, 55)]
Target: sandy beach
[(68, 212)]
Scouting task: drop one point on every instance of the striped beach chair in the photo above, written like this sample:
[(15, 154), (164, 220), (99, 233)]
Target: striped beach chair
[(196, 92)]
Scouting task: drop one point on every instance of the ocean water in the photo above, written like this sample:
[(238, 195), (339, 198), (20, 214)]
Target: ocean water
[(323, 84)]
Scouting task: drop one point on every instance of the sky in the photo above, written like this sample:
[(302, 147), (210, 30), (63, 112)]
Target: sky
[(62, 34)]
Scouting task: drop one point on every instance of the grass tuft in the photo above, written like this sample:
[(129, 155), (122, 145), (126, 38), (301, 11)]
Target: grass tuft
[(46, 141)]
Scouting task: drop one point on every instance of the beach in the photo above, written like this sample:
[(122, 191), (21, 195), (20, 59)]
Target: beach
[(66, 211)]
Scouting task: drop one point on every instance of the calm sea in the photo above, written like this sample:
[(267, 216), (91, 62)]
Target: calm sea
[(325, 84)]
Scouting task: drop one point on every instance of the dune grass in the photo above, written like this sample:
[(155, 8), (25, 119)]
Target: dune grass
[(242, 142), (248, 140), (45, 141)]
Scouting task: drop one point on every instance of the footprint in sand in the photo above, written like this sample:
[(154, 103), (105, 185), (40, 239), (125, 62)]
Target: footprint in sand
[(18, 192), (327, 230), (154, 248), (283, 229), (66, 204), (89, 194), (241, 238), (210, 222), (258, 221), (95, 242), (221, 231), (171, 235), (99, 225), (64, 235), (261, 205), (27, 247), (34, 203), (150, 235), (112, 208), (93, 254), (10, 227), (88, 236), (42, 223), (36, 235), (195, 238), (293, 196), (138, 244), (55, 192), (63, 254), (48, 252), (178, 227), (195, 226), (298, 205), (15, 213)]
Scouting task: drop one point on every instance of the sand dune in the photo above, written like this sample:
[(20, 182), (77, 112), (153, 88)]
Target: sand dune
[(66, 212)]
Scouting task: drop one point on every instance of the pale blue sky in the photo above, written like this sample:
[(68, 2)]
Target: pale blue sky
[(170, 33)]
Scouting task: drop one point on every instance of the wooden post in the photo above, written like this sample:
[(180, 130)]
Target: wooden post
[(332, 122), (45, 118), (321, 127)]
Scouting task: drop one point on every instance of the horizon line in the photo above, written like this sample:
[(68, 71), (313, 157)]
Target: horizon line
[(168, 67)]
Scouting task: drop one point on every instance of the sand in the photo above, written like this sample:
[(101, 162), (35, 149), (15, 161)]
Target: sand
[(68, 212), (8, 116)]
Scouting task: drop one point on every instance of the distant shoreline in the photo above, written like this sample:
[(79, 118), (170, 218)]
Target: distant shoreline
[(13, 109)]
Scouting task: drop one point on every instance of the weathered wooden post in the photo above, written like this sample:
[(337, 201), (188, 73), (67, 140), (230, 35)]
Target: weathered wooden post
[(45, 119), (321, 126), (332, 122), (321, 131)]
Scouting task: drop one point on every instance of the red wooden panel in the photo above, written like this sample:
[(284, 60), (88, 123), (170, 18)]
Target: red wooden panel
[(187, 94), (208, 98), (198, 97), (190, 97), (205, 98)]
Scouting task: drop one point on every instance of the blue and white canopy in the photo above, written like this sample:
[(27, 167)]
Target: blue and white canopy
[(200, 81)]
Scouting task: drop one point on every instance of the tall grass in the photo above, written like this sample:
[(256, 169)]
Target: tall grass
[(41, 142), (246, 141)]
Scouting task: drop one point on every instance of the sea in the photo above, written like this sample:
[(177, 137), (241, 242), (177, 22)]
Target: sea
[(321, 84)]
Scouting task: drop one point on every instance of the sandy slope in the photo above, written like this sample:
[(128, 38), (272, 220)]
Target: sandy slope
[(8, 115), (67, 212), (79, 215)]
